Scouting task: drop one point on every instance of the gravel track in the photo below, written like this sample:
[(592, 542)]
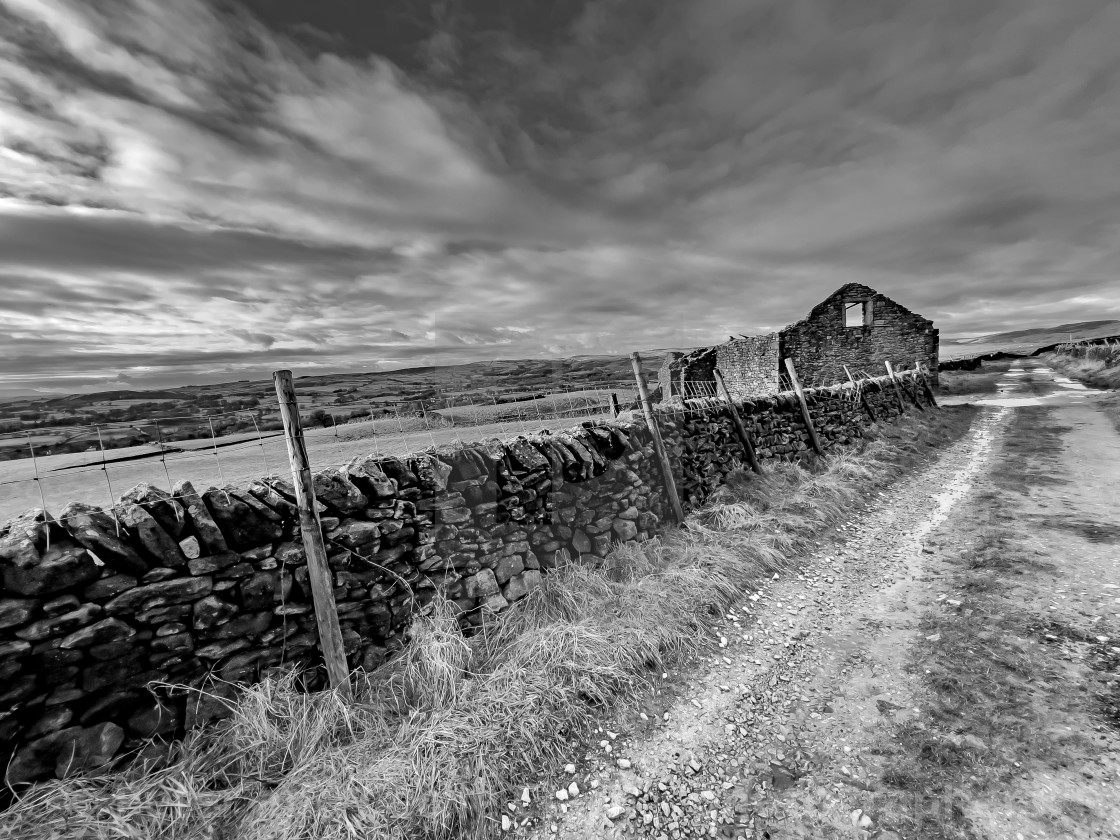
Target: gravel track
[(805, 665)]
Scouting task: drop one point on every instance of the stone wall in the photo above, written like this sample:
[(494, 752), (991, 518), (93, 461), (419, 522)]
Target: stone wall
[(688, 375), (749, 365), (102, 611), (821, 344)]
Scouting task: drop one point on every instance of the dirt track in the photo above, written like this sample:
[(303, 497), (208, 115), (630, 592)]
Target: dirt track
[(833, 689)]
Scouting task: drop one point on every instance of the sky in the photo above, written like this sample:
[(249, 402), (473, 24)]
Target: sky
[(197, 191)]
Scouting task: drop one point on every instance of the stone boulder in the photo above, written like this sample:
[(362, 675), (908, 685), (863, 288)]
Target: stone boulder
[(100, 533), (334, 489), (59, 625), (66, 752), (175, 591), (625, 529), (433, 473), (65, 565), (242, 526), (525, 457), (507, 567), (212, 611), (268, 495), (101, 633), (159, 546), (34, 528), (286, 489), (521, 585), (263, 590), (205, 528), (156, 717), (159, 503), (469, 464), (16, 611), (260, 507), (367, 474), (356, 533), (480, 586)]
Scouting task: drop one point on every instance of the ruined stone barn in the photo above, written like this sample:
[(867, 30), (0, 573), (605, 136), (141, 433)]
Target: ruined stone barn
[(861, 328), (855, 326)]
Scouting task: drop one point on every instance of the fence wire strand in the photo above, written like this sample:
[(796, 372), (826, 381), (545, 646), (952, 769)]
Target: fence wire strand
[(228, 449)]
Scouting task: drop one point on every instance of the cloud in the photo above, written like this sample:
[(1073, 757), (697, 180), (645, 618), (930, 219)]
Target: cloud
[(189, 185)]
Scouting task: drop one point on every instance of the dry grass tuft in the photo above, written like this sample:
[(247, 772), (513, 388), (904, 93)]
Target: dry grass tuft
[(1097, 366), (436, 740)]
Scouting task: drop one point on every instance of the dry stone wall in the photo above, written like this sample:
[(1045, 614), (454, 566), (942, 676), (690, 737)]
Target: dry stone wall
[(121, 628)]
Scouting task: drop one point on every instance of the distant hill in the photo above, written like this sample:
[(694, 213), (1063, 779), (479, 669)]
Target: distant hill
[(1047, 335), (1025, 341)]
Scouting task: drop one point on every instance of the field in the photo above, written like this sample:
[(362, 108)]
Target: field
[(239, 458)]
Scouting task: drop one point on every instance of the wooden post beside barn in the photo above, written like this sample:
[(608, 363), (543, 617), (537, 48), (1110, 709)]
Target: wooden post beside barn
[(804, 408), (897, 390), (925, 384), (862, 395), (913, 395), (740, 429), (658, 443), (319, 573)]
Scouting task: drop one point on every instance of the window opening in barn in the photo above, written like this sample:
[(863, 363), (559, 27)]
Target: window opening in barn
[(857, 314)]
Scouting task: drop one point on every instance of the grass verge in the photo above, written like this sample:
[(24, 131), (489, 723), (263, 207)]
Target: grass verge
[(1096, 366), (981, 717), (997, 693), (436, 740)]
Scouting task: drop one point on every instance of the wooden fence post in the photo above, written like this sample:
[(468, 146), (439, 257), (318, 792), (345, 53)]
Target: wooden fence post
[(862, 396), (897, 390), (867, 406), (741, 430), (925, 383), (804, 408), (658, 443), (319, 573), (615, 410), (912, 395)]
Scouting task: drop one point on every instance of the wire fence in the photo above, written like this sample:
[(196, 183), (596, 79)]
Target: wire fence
[(96, 463)]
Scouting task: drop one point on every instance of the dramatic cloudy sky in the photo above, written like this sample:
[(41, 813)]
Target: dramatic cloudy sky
[(216, 189)]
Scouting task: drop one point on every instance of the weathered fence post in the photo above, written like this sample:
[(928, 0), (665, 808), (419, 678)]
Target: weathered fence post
[(867, 406), (804, 408), (615, 409), (925, 383), (897, 390), (740, 429), (912, 395), (866, 403), (319, 574), (658, 443)]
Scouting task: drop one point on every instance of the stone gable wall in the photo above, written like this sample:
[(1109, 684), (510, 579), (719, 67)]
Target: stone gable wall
[(204, 588), (820, 345), (688, 375), (750, 365)]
